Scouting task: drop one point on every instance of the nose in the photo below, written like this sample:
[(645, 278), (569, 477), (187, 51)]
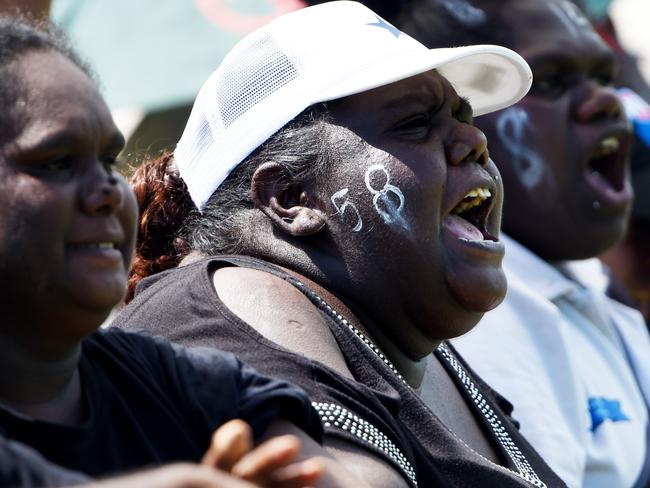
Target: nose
[(100, 192), (597, 103), (467, 144)]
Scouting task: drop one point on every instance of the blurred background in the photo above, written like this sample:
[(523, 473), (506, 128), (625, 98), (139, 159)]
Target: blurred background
[(151, 56)]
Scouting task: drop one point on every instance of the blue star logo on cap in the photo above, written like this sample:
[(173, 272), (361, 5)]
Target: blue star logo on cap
[(602, 409), (382, 24)]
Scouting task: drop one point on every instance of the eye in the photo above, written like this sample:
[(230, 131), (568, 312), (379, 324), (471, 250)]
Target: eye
[(603, 78), (464, 112), (62, 163), (549, 86), (414, 126), (109, 163)]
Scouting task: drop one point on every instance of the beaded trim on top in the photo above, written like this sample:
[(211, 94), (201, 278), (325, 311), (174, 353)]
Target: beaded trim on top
[(524, 470), (335, 416)]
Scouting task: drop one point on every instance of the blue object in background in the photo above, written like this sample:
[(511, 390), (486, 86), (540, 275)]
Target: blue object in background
[(638, 111)]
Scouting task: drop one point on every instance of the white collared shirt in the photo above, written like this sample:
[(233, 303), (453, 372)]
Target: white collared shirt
[(566, 356)]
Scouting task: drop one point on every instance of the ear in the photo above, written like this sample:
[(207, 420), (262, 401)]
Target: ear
[(286, 203)]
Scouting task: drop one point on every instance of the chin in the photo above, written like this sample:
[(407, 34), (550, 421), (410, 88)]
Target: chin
[(480, 293), (461, 323), (98, 299)]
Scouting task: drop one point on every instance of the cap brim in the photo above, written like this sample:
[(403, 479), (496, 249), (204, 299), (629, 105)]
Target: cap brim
[(490, 77)]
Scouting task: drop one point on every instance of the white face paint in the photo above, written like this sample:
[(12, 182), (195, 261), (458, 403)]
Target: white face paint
[(389, 208), (342, 204), (464, 13), (572, 18), (511, 128)]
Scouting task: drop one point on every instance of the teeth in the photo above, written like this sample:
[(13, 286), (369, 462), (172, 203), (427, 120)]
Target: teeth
[(473, 199), (607, 146), (98, 245)]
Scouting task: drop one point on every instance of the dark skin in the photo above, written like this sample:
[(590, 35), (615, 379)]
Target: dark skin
[(419, 131), (67, 232), (409, 281), (575, 205), (50, 251)]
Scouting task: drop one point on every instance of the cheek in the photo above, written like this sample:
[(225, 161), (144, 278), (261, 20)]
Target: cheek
[(514, 146), (370, 199)]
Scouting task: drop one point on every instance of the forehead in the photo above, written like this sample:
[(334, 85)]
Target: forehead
[(548, 24), (428, 89), (54, 92)]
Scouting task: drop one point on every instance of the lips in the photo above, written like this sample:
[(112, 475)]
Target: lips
[(606, 170)]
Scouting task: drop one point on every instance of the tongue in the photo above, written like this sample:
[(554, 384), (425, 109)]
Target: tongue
[(460, 227)]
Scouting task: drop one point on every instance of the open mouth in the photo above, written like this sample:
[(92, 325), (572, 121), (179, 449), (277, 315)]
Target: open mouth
[(471, 215), (607, 164)]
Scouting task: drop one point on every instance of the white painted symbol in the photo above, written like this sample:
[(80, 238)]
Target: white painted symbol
[(572, 18), (390, 213), (464, 13), (347, 204), (511, 128)]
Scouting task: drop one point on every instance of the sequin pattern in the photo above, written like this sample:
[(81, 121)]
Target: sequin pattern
[(335, 416)]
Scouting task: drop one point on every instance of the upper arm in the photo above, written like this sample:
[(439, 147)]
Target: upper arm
[(371, 469), (346, 464)]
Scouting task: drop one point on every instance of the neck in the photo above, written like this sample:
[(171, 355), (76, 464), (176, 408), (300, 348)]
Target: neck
[(36, 376), (412, 370)]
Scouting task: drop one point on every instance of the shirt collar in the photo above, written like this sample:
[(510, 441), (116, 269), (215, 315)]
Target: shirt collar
[(533, 271)]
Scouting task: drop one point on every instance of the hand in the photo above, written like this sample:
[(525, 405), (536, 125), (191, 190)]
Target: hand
[(268, 465)]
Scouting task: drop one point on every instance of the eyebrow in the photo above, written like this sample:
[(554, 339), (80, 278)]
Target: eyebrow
[(57, 139)]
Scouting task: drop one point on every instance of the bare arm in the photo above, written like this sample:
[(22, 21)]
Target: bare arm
[(346, 465)]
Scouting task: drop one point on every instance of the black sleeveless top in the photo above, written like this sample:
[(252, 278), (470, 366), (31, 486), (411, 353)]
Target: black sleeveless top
[(377, 410)]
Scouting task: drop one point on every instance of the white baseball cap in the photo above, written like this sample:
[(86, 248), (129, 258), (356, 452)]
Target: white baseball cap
[(317, 54)]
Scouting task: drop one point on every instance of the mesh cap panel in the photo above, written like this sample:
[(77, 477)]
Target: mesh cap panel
[(251, 77)]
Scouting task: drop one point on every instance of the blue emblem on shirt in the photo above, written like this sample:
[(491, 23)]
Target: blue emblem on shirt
[(382, 24), (602, 409)]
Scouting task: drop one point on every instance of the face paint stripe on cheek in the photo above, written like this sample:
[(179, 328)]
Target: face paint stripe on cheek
[(511, 127)]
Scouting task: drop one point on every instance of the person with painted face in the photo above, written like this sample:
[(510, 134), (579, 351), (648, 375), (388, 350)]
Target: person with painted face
[(574, 363), (76, 402), (320, 186)]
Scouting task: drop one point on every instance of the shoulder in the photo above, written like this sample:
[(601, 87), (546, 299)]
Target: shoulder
[(280, 312)]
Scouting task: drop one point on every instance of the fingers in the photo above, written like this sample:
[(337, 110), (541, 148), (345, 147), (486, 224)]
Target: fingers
[(268, 456), (268, 465), (230, 443)]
